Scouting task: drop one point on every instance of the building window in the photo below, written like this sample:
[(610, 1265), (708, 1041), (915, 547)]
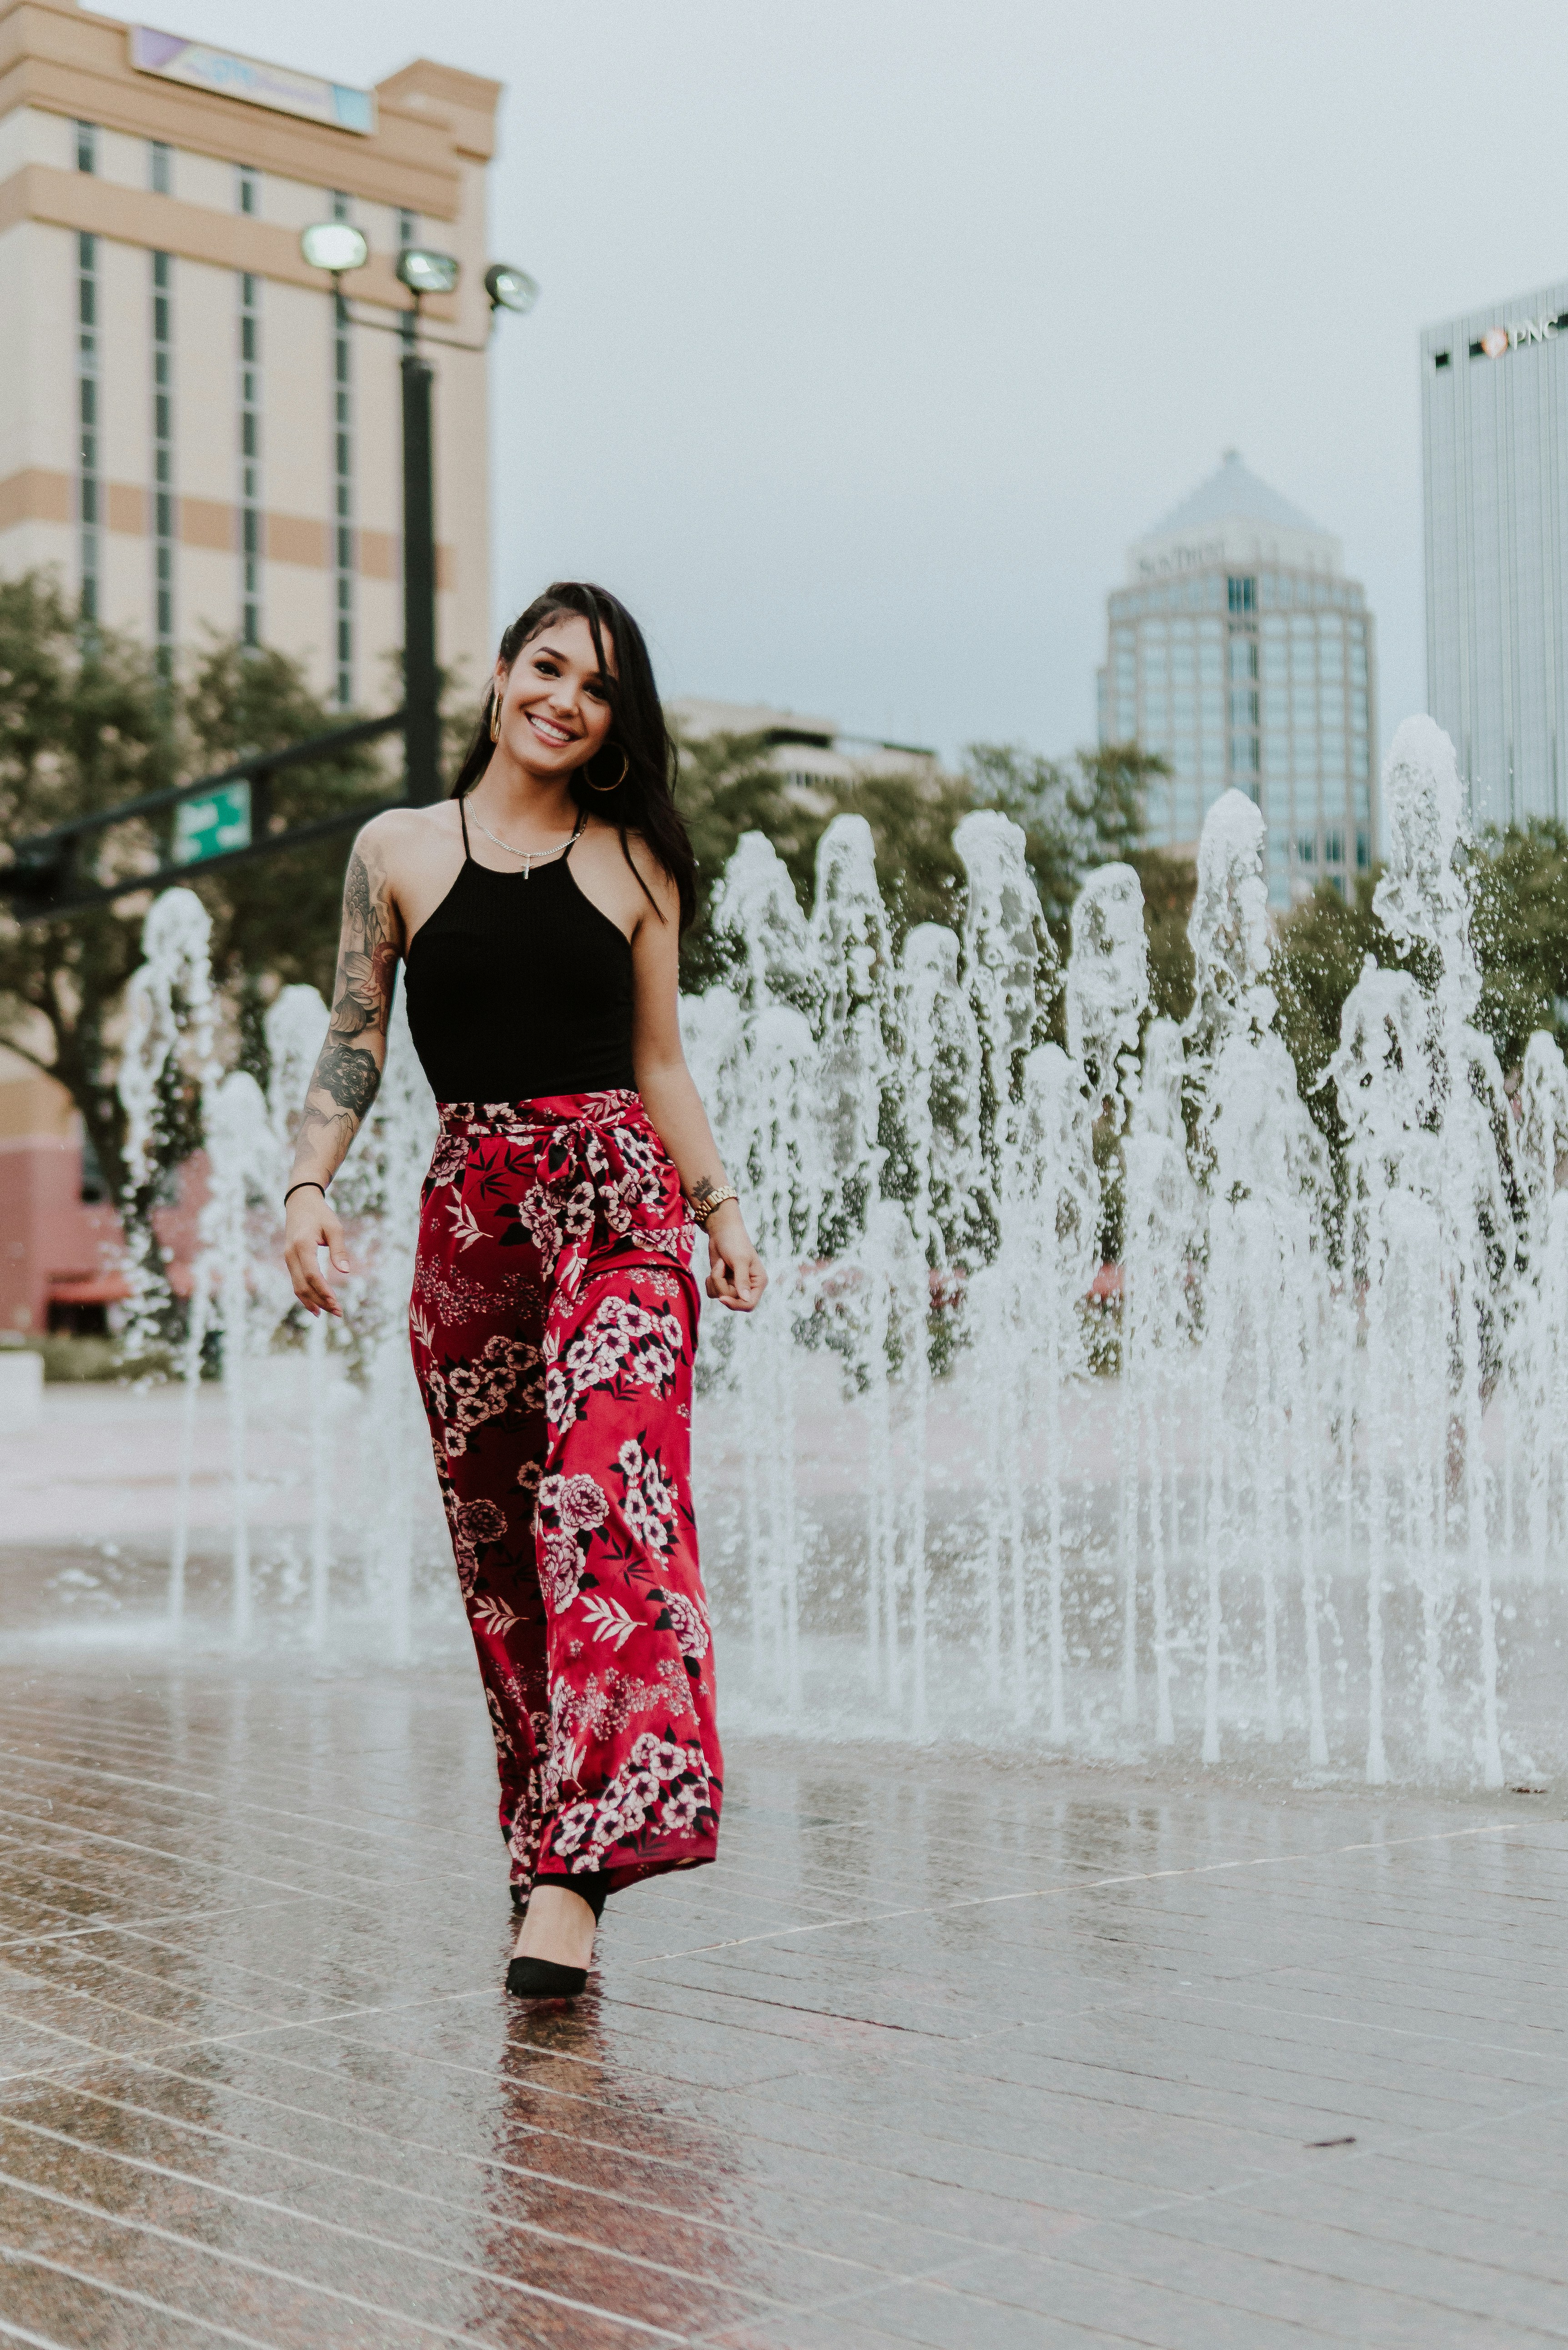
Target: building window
[(1241, 595), (90, 493), (247, 190), (93, 1188), (343, 486), (249, 459), (1334, 849), (163, 458), (161, 167), (86, 147), (1306, 849), (1362, 852), (1244, 755)]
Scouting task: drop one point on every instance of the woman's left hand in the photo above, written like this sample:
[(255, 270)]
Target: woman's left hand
[(736, 1274)]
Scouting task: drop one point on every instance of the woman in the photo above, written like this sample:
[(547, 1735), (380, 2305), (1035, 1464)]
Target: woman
[(553, 1318)]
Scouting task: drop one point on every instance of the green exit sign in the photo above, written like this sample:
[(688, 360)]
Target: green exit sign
[(207, 826)]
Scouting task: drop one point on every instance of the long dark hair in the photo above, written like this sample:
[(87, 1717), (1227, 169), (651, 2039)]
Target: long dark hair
[(643, 801)]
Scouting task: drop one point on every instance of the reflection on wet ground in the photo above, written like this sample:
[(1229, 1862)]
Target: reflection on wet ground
[(946, 2049)]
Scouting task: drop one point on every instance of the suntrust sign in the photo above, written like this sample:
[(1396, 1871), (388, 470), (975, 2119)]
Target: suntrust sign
[(1173, 559)]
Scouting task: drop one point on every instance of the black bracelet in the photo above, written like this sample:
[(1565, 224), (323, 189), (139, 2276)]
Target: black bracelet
[(309, 1184)]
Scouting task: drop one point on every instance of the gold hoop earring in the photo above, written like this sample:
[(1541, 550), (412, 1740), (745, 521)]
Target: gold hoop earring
[(625, 771), (494, 716)]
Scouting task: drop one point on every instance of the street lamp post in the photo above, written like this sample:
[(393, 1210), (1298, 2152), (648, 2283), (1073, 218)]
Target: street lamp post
[(422, 272), (421, 760), (337, 247)]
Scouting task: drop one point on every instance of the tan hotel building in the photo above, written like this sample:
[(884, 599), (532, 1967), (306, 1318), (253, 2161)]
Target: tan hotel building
[(192, 432), (195, 433)]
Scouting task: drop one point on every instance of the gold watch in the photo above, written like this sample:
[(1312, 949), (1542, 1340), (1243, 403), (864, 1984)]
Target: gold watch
[(704, 1204)]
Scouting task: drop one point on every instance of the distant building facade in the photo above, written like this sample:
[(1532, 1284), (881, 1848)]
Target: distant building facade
[(195, 432), (192, 431), (1240, 653), (809, 752), (58, 1235), (1494, 412)]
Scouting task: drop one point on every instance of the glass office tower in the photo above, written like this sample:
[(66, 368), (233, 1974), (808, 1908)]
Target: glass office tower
[(1240, 653), (1494, 411)]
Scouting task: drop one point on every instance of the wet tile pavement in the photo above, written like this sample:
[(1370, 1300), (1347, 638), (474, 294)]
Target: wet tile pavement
[(947, 2050)]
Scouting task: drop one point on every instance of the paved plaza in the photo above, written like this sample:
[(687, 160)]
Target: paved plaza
[(947, 2049)]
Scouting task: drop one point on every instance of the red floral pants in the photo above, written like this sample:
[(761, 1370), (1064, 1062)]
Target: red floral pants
[(554, 1324)]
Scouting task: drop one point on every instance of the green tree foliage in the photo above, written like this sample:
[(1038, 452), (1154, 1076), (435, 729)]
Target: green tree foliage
[(1169, 885), (1320, 947), (727, 786), (1522, 935), (1086, 812), (1072, 816), (276, 920), (84, 722)]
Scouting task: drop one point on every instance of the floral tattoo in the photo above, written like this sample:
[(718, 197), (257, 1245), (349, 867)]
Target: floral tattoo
[(347, 1075)]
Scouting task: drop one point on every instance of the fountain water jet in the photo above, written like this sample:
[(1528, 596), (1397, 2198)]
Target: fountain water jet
[(1280, 1490)]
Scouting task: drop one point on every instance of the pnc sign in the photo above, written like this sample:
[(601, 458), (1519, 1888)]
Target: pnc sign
[(1499, 340)]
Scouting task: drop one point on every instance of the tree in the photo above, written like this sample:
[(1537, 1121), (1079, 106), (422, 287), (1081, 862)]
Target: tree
[(726, 786), (88, 721), (1074, 816), (276, 920), (1520, 934), (729, 785), (1319, 950), (85, 722), (1169, 885), (912, 819)]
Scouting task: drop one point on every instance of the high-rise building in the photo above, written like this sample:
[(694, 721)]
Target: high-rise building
[(1494, 411), (1240, 653), (194, 428)]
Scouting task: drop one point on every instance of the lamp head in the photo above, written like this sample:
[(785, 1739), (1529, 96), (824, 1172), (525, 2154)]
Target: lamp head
[(509, 288), (334, 246), (424, 272)]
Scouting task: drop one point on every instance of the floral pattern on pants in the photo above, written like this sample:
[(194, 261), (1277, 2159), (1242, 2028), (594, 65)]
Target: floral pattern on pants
[(554, 1324)]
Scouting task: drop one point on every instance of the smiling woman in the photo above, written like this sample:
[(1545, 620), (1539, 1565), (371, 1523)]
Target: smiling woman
[(554, 1319)]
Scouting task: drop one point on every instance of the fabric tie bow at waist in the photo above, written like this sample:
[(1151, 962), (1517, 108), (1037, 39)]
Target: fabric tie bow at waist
[(596, 1162)]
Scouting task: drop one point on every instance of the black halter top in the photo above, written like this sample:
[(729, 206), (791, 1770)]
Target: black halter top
[(518, 987)]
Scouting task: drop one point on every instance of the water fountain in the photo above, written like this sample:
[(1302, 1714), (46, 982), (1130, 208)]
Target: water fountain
[(1288, 1492)]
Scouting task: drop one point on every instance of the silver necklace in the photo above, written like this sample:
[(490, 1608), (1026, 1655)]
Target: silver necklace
[(531, 857)]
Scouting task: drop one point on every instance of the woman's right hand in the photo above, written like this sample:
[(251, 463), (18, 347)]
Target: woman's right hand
[(310, 1222)]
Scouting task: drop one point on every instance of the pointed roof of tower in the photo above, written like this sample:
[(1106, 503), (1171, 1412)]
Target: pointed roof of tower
[(1235, 494), (1233, 517)]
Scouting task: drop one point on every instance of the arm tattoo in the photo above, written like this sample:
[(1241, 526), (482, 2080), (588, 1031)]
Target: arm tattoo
[(350, 1077), (343, 1085)]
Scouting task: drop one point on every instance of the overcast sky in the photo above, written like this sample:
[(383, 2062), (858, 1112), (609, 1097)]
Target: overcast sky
[(872, 329)]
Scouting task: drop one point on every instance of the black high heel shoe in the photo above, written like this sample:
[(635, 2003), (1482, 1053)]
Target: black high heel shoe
[(542, 1978)]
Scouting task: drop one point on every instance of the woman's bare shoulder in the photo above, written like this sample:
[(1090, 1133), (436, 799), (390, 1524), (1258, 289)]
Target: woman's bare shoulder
[(645, 865), (403, 837)]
